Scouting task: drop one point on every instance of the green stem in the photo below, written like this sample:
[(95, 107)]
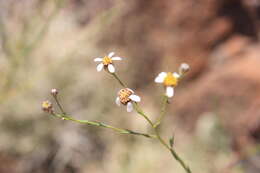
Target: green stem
[(157, 134), (140, 111), (160, 139), (59, 105), (100, 124), (118, 79), (177, 157), (173, 152), (163, 111), (137, 108), (64, 116)]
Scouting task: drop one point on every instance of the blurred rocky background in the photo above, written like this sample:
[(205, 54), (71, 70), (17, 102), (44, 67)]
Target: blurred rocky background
[(214, 116)]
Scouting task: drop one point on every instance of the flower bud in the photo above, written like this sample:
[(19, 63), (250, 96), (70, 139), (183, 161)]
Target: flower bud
[(184, 68), (54, 92), (47, 106)]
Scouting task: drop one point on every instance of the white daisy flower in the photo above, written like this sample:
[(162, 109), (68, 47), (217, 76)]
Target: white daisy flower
[(107, 62), (169, 80), (126, 97)]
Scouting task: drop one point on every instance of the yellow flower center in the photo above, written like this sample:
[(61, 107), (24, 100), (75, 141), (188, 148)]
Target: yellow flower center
[(124, 94), (107, 60), (170, 80), (46, 105)]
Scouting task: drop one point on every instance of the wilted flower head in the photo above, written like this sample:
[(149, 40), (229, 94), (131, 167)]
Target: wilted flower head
[(47, 106), (125, 97), (169, 80), (107, 62), (54, 92), (184, 68)]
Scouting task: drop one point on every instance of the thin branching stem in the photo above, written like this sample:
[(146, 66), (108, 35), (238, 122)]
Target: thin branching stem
[(118, 79), (163, 111), (154, 125), (100, 124), (59, 104), (64, 116), (157, 135), (140, 112), (162, 141)]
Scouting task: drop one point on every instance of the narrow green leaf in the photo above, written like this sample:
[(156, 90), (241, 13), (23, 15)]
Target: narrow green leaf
[(171, 141)]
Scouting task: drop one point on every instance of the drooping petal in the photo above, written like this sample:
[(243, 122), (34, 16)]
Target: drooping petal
[(135, 98), (111, 68), (129, 107), (169, 91), (111, 54), (176, 75), (100, 66), (118, 101), (98, 59), (116, 58), (159, 79)]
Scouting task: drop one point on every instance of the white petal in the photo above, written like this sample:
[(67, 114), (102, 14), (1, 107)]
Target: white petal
[(129, 107), (159, 79), (111, 54), (116, 58), (98, 59), (118, 101), (176, 75), (111, 68), (135, 98), (162, 74), (100, 67), (169, 91)]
